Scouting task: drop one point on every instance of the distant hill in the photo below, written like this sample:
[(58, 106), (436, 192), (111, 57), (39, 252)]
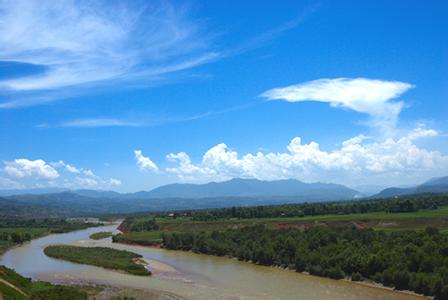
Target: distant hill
[(435, 185), (235, 188), (255, 188), (36, 191), (235, 192)]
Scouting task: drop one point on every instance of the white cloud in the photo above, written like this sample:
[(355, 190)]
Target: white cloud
[(92, 183), (67, 167), (7, 184), (37, 173), (89, 173), (368, 96), (145, 163), (114, 182), (23, 167), (100, 122), (356, 159), (88, 43), (72, 169)]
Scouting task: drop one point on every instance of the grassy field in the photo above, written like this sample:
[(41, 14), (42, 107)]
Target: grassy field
[(377, 220), (146, 238), (100, 235), (99, 256)]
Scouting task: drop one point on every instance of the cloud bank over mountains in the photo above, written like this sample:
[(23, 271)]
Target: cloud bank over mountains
[(357, 158)]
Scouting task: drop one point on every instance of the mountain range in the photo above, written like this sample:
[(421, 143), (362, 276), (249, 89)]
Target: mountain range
[(232, 188), (234, 192), (435, 185)]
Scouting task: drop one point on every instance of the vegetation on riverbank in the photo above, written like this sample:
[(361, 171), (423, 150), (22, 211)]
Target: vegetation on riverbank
[(403, 204), (405, 260), (17, 287), (418, 221), (14, 231), (100, 235), (398, 242), (99, 256)]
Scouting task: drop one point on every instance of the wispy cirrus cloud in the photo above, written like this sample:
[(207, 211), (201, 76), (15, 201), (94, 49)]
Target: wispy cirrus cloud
[(86, 123), (146, 121), (369, 96), (84, 43)]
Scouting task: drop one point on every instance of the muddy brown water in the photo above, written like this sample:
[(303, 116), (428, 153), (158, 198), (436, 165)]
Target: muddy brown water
[(196, 276)]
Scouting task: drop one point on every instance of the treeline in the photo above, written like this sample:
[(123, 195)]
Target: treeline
[(136, 224), (416, 261), (392, 205), (54, 225), (15, 237)]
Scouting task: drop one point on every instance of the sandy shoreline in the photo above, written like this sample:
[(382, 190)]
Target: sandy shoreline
[(156, 266)]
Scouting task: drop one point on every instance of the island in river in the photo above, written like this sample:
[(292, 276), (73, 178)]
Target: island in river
[(108, 258)]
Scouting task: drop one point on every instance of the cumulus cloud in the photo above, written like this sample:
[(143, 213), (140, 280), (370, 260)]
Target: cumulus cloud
[(23, 167), (92, 183), (368, 96), (38, 173), (7, 184), (89, 43), (67, 167), (145, 163), (358, 157)]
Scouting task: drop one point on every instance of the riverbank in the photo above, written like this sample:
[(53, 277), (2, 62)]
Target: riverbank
[(158, 267), (197, 276), (17, 232)]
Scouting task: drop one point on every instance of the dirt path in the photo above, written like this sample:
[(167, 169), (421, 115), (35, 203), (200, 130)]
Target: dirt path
[(12, 286)]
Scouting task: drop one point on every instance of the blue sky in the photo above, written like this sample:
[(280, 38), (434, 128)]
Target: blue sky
[(128, 97)]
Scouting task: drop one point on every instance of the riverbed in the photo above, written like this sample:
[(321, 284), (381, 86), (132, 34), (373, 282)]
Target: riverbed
[(189, 275)]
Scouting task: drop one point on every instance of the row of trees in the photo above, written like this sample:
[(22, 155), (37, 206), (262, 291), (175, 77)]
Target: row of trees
[(53, 225), (136, 224), (391, 205), (15, 237), (410, 260)]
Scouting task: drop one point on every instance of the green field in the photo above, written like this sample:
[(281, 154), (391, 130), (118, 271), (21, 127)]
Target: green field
[(146, 238), (100, 235), (17, 287), (99, 256), (377, 220)]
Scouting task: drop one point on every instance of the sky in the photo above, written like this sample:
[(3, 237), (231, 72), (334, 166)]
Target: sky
[(128, 96)]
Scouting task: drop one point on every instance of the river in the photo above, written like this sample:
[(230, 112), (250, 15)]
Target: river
[(192, 276)]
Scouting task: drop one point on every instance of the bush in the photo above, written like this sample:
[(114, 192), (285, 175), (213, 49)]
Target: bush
[(357, 276)]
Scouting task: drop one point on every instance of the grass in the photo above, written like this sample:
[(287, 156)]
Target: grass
[(100, 235), (411, 220), (146, 238), (17, 287), (99, 256), (377, 220)]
